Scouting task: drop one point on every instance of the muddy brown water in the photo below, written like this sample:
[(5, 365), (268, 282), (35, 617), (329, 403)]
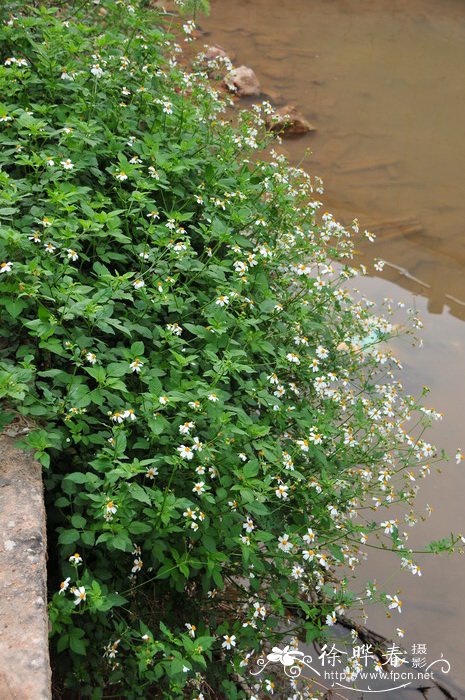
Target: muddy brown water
[(384, 83)]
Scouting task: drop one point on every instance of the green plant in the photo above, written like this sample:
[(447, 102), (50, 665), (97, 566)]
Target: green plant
[(212, 407)]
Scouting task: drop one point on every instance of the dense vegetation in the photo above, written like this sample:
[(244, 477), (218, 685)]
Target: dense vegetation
[(212, 408)]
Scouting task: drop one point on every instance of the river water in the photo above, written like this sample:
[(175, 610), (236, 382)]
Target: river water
[(383, 81)]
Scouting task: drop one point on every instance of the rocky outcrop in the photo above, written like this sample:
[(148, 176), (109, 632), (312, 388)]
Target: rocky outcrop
[(24, 659)]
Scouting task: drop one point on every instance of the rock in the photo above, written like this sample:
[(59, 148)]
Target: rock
[(214, 52), (215, 61), (289, 120), (243, 82), (24, 658)]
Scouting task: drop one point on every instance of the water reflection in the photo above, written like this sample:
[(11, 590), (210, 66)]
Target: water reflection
[(383, 82)]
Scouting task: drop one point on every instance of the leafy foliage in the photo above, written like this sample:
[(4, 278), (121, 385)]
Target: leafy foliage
[(208, 409)]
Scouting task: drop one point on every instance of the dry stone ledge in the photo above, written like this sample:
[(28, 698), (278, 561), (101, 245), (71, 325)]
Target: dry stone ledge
[(24, 658)]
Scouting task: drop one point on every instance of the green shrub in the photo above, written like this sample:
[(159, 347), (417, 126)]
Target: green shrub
[(210, 405)]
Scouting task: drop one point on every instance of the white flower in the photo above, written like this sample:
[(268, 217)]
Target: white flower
[(188, 27), (389, 526), (138, 284), (67, 164), (199, 446), (248, 526), (395, 603), (50, 162), (163, 400), (186, 427), (310, 536), (199, 488), (174, 328), (121, 176), (229, 641), (64, 585), (321, 352), (308, 554), (292, 357), (110, 510), (186, 452), (281, 491), (137, 565), (96, 70), (222, 300), (90, 357), (240, 267), (284, 544), (136, 365), (50, 248), (213, 397), (5, 267), (297, 571), (458, 455), (260, 611), (331, 619), (71, 254), (314, 364), (75, 559), (316, 438), (191, 629), (80, 594)]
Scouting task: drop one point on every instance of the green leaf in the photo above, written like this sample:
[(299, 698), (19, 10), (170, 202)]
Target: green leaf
[(78, 477), (251, 469), (137, 349), (78, 521), (69, 537), (112, 600), (139, 493), (77, 645), (138, 528), (15, 306), (121, 541)]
